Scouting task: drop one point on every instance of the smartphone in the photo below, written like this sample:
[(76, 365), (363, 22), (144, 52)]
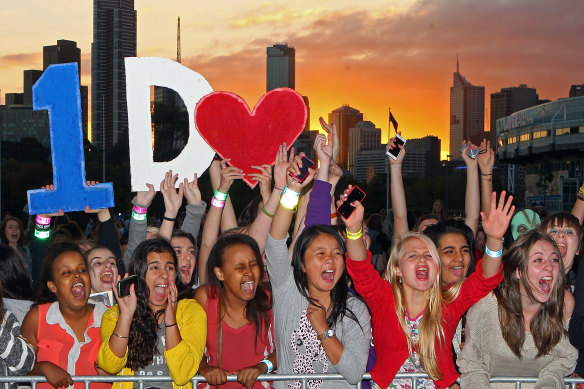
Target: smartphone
[(394, 153), (124, 285), (346, 209), (307, 163)]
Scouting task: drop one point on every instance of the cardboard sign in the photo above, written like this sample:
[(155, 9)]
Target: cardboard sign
[(58, 91), (250, 138), (197, 155)]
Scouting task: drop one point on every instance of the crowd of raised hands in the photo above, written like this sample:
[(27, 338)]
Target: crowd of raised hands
[(292, 286)]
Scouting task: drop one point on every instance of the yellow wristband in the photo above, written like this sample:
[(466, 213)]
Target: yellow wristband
[(356, 235)]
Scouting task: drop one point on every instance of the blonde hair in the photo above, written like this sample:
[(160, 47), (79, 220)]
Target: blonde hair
[(431, 324)]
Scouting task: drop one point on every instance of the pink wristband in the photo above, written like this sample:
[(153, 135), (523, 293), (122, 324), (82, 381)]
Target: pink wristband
[(217, 203), (140, 210), (43, 221)]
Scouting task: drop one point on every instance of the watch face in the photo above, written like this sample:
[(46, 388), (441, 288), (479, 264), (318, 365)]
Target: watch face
[(328, 334)]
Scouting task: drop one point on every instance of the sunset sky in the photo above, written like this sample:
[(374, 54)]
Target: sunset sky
[(371, 54)]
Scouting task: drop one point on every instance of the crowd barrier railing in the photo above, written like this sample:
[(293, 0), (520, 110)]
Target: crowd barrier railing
[(303, 378)]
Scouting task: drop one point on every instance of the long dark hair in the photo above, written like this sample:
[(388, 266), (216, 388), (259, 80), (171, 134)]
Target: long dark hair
[(3, 230), (340, 291), (191, 238), (546, 326), (14, 278), (453, 226), (257, 309), (143, 338), (54, 251)]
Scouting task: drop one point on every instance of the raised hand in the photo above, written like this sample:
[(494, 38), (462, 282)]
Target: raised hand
[(355, 221), (228, 175), (294, 168), (496, 222), (333, 138), (144, 198), (264, 177), (392, 145), (192, 192), (282, 163), (486, 157), (172, 198), (466, 146), (127, 304)]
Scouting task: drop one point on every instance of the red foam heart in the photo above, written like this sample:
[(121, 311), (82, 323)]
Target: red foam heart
[(250, 138)]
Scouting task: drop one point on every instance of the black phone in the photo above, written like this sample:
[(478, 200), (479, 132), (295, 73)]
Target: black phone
[(124, 285), (346, 209), (307, 163), (394, 153)]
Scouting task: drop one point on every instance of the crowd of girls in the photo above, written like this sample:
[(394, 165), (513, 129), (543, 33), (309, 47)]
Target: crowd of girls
[(291, 287)]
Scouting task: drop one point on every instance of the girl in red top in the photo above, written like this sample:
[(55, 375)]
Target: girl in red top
[(65, 330), (413, 324), (240, 338)]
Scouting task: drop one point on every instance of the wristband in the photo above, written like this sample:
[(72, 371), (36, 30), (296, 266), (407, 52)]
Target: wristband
[(138, 209), (264, 210), (289, 199), (120, 336), (334, 215), (217, 203), (220, 195), (268, 364), (275, 187), (493, 254), (170, 325), (138, 216), (170, 219), (396, 165), (43, 221), (354, 235), (42, 234), (581, 193)]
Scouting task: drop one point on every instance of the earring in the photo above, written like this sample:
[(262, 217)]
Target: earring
[(399, 280)]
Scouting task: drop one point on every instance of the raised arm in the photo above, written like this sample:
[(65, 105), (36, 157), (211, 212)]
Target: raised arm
[(228, 219), (398, 194), (486, 162), (354, 224), (172, 202), (213, 220), (138, 221), (578, 209), (472, 198), (495, 224), (195, 207)]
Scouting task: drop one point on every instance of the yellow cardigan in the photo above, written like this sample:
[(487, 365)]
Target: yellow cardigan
[(182, 360)]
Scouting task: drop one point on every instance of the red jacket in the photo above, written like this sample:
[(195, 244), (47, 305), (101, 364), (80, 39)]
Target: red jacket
[(391, 347)]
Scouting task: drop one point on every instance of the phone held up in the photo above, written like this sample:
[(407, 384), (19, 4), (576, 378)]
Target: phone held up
[(307, 163), (394, 153), (346, 209), (124, 285)]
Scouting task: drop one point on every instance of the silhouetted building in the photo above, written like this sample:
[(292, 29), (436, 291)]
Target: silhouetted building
[(370, 163), (114, 38), (508, 101), (30, 77), (17, 122), (364, 136), (577, 90), (467, 111), (64, 51), (280, 67), (13, 99), (345, 118), (422, 157)]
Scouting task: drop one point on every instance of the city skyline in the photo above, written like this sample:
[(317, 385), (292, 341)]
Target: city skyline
[(370, 56)]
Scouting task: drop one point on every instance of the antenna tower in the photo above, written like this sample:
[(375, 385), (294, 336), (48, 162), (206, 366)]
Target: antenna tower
[(178, 56)]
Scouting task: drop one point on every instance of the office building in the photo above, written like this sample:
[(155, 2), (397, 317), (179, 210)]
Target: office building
[(364, 136), (422, 157), (370, 163), (18, 121), (114, 38), (13, 99), (508, 101), (280, 67), (30, 77), (467, 111), (345, 118)]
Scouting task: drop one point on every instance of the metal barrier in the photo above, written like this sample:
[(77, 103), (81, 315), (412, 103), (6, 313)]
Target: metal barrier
[(303, 378)]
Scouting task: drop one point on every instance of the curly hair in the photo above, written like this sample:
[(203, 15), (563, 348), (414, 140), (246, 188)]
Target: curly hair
[(143, 338), (340, 292), (45, 295), (258, 308)]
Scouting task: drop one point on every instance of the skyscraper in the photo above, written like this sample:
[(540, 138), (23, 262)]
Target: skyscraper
[(467, 111), (345, 118), (280, 67), (66, 51), (510, 100), (114, 38), (363, 136)]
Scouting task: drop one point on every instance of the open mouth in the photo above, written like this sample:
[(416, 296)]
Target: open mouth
[(185, 270), (328, 275), (457, 271), (107, 277), (160, 290), (563, 249), (422, 273), (78, 290), (248, 287), (545, 284)]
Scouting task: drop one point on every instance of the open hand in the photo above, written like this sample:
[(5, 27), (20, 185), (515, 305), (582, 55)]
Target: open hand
[(496, 222), (172, 198), (192, 192)]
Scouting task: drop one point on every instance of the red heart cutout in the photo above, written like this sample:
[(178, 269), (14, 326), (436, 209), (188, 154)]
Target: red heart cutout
[(250, 138)]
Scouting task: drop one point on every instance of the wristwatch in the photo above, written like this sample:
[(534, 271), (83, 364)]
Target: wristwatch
[(329, 333)]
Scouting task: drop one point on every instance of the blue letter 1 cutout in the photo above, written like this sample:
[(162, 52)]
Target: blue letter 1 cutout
[(58, 91)]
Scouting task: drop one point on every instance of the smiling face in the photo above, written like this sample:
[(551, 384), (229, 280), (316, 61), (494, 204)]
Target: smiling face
[(567, 240), (240, 272), (417, 267), (543, 270), (160, 271), (12, 232), (71, 283), (185, 253), (102, 270), (323, 264), (454, 254)]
